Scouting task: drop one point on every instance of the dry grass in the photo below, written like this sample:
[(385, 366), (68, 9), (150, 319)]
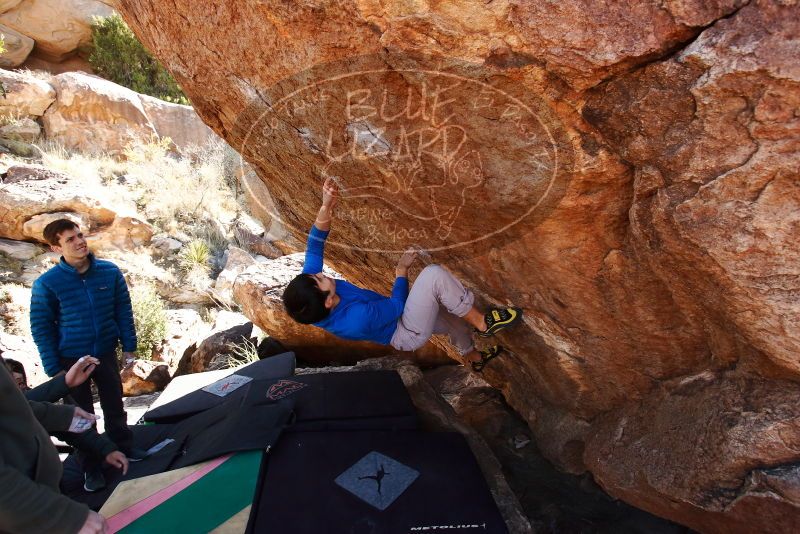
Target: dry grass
[(186, 189), (15, 309), (243, 353), (166, 187)]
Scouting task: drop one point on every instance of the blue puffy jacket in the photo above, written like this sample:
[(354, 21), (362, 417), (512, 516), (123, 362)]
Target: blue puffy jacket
[(74, 314)]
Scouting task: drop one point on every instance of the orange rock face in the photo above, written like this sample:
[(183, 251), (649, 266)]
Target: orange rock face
[(627, 175)]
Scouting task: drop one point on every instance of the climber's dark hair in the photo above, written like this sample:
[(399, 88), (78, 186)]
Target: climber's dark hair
[(304, 301)]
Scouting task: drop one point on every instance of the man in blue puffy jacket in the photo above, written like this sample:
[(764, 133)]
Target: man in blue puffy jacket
[(82, 307)]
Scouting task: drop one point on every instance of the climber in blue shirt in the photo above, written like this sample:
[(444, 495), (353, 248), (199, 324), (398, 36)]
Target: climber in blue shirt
[(438, 303)]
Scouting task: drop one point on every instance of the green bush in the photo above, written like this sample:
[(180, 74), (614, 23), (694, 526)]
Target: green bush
[(195, 256), (117, 55), (150, 319)]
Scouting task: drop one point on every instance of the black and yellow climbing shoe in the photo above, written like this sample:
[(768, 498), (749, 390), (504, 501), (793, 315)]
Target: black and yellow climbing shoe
[(499, 318), (487, 355)]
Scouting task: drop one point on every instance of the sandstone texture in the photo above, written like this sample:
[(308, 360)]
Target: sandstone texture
[(19, 250), (124, 233), (91, 114), (59, 27), (178, 122), (25, 95), (26, 130), (17, 47), (627, 173), (95, 115), (36, 194), (141, 377)]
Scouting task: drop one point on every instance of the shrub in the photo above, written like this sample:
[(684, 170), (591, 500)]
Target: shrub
[(150, 319), (195, 256), (119, 56)]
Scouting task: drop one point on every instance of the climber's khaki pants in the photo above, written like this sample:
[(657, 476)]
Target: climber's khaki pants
[(435, 305)]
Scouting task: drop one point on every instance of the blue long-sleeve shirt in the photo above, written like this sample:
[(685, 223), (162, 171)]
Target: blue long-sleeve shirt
[(361, 315), (75, 314)]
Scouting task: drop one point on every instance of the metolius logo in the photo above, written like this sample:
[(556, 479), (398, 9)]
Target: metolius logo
[(419, 146)]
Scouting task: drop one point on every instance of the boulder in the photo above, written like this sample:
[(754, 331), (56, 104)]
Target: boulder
[(25, 95), (59, 27), (165, 245), (91, 114), (250, 234), (258, 291), (20, 148), (17, 47), (627, 174), (25, 129), (216, 348), (124, 233), (197, 290), (718, 218), (141, 377), (34, 227), (713, 448), (22, 173), (238, 261), (25, 199), (178, 122), (20, 250), (185, 329), (94, 115)]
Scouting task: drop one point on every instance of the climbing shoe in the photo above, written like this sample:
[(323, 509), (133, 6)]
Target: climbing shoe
[(487, 355), (499, 318)]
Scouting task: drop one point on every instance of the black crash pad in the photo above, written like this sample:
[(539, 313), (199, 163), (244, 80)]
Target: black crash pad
[(279, 366), (368, 400), (328, 482)]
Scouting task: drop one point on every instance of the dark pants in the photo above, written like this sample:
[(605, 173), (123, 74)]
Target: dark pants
[(106, 377)]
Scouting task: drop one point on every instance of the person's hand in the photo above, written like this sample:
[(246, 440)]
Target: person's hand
[(80, 372), (94, 524), (118, 460), (128, 357), (405, 261), (82, 420), (330, 193)]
